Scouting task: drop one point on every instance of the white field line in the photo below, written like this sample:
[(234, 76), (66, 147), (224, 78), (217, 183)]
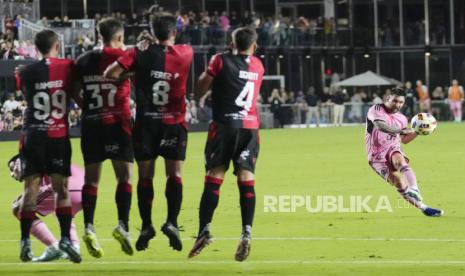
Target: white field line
[(308, 239), (268, 262)]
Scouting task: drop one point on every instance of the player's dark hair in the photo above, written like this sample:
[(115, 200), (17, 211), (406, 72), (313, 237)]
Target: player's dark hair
[(244, 38), (107, 28), (163, 26), (398, 91), (44, 41)]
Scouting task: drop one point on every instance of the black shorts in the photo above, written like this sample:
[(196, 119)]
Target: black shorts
[(100, 142), (46, 156), (157, 139), (226, 144)]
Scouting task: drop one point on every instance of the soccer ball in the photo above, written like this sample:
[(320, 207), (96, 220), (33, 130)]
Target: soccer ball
[(424, 123)]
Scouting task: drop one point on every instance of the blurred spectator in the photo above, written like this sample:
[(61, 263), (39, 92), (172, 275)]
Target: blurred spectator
[(377, 99), (276, 100), (356, 102), (409, 107), (423, 96), (11, 104), (338, 100), (302, 107), (455, 97), (313, 109)]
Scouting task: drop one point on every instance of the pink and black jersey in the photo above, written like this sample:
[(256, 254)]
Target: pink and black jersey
[(46, 86), (161, 73), (104, 101), (378, 143), (237, 81)]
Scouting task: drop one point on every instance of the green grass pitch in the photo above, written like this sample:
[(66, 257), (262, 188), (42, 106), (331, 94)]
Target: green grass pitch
[(303, 162)]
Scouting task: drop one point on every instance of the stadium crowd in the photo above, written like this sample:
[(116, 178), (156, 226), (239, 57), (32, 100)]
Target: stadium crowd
[(213, 28)]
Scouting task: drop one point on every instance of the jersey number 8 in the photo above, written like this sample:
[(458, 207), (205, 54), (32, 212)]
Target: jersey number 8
[(160, 92)]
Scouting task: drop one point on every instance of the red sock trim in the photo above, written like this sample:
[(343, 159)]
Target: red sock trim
[(63, 211), (90, 190), (174, 180), (249, 195), (249, 183), (124, 187), (145, 182), (213, 180), (27, 215)]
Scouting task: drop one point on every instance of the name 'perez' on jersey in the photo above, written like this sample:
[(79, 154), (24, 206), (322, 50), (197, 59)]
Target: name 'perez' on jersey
[(237, 81)]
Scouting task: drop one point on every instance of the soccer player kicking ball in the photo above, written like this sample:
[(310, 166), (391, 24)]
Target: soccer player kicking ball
[(45, 147), (386, 129), (106, 133), (160, 73), (46, 206), (235, 80)]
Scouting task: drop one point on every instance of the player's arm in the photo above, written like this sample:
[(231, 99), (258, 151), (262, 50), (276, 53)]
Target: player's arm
[(205, 81), (114, 71), (385, 127), (204, 84), (76, 88), (120, 69), (407, 138)]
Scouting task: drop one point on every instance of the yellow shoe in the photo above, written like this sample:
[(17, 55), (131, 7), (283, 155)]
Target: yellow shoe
[(92, 244)]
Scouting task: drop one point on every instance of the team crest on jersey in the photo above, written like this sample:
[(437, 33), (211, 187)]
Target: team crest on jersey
[(111, 148), (58, 162), (245, 154)]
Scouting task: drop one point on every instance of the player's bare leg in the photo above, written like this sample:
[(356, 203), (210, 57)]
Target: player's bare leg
[(123, 201), (89, 201), (173, 194), (208, 204), (405, 181), (246, 184), (144, 201), (65, 216), (27, 215)]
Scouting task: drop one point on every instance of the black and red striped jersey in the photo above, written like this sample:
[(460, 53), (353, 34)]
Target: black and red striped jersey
[(236, 84), (46, 84), (161, 74), (104, 101)]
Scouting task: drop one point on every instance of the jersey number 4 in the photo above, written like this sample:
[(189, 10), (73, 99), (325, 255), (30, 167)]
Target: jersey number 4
[(246, 96), (96, 95), (46, 105)]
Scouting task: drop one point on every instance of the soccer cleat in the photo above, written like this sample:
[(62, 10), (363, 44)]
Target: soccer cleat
[(172, 232), (202, 241), (67, 247), (51, 253), (243, 250), (145, 236), (124, 238), (431, 212), (92, 244), (25, 250), (414, 194)]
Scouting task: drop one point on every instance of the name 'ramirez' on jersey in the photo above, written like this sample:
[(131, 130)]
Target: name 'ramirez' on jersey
[(237, 81)]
